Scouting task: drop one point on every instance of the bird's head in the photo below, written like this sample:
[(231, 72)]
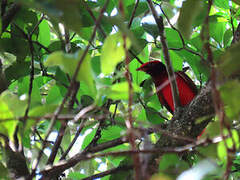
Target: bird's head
[(153, 68)]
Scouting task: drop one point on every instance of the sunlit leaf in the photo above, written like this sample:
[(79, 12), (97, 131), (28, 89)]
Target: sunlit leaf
[(173, 38), (44, 33), (212, 130), (15, 105), (222, 3), (217, 31), (176, 61), (88, 138), (68, 64), (189, 11), (230, 142), (110, 133), (120, 91), (76, 175), (54, 96), (113, 52), (8, 113)]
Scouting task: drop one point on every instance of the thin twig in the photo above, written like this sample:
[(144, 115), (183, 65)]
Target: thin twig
[(81, 126), (9, 15), (58, 168), (181, 37), (57, 143), (129, 121), (104, 34), (174, 88), (42, 46), (109, 172), (36, 25), (133, 14)]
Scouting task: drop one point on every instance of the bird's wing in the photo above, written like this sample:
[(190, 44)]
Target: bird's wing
[(163, 101), (189, 81)]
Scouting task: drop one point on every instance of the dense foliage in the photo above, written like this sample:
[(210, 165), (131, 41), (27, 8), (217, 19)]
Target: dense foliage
[(72, 104)]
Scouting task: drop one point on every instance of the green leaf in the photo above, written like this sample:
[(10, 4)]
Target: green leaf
[(231, 102), (142, 7), (39, 111), (17, 70), (176, 61), (76, 175), (15, 105), (210, 150), (96, 65), (122, 174), (189, 11), (113, 52), (229, 61), (55, 46), (222, 152), (153, 116), (63, 11), (7, 111), (85, 32), (230, 141), (68, 64), (227, 37), (173, 38), (197, 43), (152, 29), (4, 172), (222, 3), (120, 91), (23, 87), (110, 133), (54, 96), (26, 19), (217, 31), (88, 138), (212, 130), (141, 44), (86, 100), (16, 46), (44, 33), (168, 161)]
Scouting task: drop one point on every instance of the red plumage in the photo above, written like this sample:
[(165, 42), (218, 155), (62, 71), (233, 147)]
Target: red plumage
[(186, 87)]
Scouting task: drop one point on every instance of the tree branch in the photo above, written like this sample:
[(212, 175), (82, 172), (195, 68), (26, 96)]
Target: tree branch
[(9, 15), (173, 83)]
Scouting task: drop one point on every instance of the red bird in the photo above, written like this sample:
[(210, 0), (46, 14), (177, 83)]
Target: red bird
[(186, 87)]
